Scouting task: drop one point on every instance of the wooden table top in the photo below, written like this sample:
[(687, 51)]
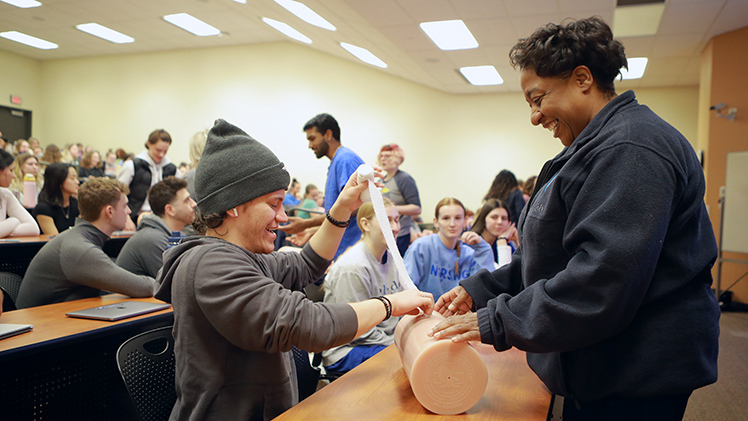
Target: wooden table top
[(50, 321), (379, 389), (44, 238)]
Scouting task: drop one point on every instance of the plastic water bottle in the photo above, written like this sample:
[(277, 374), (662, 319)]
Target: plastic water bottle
[(174, 239), (29, 191)]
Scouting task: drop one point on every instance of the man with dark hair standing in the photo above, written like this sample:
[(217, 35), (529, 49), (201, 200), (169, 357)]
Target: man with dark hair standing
[(173, 209), (73, 265), (145, 170), (323, 134)]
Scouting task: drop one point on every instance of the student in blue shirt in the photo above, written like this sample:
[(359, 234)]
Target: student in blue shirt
[(437, 262), (323, 134)]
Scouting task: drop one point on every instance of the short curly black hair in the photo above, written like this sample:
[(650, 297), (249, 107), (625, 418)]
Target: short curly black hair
[(556, 50)]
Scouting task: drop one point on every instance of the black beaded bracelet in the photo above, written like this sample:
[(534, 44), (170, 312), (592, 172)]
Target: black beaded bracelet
[(387, 305), (503, 238), (339, 224)]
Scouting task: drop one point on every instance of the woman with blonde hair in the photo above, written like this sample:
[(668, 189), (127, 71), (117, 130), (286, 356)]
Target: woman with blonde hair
[(436, 263), (197, 144), (71, 154), (51, 155), (26, 163), (361, 273), (21, 146), (91, 165)]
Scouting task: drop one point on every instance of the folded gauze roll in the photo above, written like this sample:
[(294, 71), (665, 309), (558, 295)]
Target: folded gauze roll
[(447, 378)]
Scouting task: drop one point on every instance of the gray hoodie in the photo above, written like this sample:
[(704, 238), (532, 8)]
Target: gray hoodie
[(141, 254), (236, 316)]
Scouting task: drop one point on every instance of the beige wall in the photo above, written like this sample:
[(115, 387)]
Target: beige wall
[(454, 144), (20, 76), (724, 62)]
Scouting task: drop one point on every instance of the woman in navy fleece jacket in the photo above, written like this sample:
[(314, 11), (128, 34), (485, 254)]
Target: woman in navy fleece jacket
[(609, 292)]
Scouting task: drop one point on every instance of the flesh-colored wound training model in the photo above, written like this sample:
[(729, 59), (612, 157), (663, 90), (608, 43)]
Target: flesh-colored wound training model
[(447, 378)]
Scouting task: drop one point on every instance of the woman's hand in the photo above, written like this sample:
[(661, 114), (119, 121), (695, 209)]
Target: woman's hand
[(461, 328), (511, 234), (470, 238), (455, 301), (410, 301)]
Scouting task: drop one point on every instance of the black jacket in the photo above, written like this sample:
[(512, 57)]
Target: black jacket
[(609, 292)]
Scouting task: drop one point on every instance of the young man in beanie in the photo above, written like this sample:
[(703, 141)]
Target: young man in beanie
[(323, 134), (73, 265), (239, 306), (173, 209)]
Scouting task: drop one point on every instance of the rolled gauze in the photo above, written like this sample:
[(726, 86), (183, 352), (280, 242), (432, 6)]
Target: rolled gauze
[(447, 378)]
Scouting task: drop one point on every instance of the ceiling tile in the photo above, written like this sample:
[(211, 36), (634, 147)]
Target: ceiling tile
[(388, 28)]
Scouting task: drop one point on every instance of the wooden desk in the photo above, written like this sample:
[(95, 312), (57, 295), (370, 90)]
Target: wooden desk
[(16, 252), (66, 368), (379, 389)]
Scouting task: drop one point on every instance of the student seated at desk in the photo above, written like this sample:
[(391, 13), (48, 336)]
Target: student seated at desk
[(494, 226), (238, 306), (57, 207), (14, 219), (359, 275), (173, 209), (73, 265), (436, 263)]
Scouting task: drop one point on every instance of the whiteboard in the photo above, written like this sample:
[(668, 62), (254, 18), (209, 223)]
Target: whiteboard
[(735, 219)]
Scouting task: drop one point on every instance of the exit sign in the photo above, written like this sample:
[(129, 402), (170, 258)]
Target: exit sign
[(15, 99)]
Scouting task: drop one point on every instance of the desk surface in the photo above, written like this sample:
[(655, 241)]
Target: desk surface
[(379, 389), (50, 322), (44, 238)]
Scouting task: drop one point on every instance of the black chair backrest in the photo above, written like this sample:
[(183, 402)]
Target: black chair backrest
[(10, 284), (146, 363), (306, 375)]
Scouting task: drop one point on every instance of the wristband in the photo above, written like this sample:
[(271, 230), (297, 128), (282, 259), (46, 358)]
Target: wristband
[(387, 305), (503, 238), (339, 224)]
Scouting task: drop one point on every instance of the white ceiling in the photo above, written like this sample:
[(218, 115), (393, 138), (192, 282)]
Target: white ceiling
[(388, 28)]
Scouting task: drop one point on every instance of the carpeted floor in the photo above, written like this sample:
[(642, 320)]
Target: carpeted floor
[(726, 400)]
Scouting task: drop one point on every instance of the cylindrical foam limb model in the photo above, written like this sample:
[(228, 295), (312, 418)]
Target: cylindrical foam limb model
[(447, 378)]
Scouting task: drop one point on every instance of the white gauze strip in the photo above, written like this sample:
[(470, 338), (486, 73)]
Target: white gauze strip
[(366, 172)]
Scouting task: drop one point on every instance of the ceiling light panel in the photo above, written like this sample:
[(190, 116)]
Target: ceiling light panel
[(105, 33), (364, 55), (306, 14), (482, 75), (192, 24), (637, 66), (450, 34), (287, 30), (637, 21), (28, 40), (23, 4)]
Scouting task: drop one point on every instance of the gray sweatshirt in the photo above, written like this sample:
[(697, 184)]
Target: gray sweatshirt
[(358, 276), (142, 254), (72, 266), (236, 316)]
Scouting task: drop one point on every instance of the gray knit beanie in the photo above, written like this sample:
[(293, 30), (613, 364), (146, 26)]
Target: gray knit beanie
[(234, 169)]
